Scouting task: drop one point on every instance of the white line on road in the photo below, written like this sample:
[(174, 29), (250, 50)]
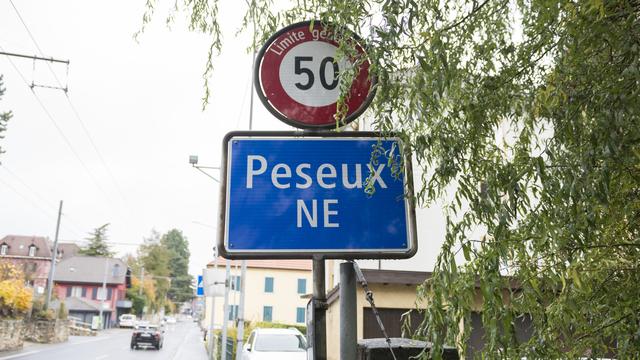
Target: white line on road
[(20, 355), (102, 357)]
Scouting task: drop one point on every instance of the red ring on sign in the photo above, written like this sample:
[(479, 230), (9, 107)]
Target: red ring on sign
[(284, 107)]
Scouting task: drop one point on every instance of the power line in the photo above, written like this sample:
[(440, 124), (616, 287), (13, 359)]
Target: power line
[(55, 124), (34, 41), (41, 198), (75, 111), (34, 204)]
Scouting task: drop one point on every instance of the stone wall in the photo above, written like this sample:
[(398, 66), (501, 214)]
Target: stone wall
[(11, 334), (47, 331)]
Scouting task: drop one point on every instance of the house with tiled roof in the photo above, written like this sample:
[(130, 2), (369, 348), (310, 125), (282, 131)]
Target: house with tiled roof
[(78, 282), (32, 255), (272, 293)]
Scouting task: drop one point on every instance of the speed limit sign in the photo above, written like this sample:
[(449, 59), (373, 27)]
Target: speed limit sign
[(297, 77)]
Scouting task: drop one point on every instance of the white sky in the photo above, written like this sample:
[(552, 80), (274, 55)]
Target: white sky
[(141, 104)]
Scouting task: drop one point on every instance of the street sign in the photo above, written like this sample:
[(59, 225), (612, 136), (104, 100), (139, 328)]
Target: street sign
[(297, 76), (291, 196), (214, 282), (200, 288)]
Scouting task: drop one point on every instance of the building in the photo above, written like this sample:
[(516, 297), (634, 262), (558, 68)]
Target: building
[(273, 292), (32, 255), (394, 293), (78, 282)]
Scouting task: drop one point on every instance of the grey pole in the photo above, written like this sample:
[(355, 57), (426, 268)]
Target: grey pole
[(319, 296), (243, 276), (54, 256), (104, 290), (225, 319), (243, 273), (213, 311), (348, 312), (141, 280)]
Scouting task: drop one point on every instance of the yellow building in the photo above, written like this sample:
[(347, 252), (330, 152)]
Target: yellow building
[(394, 293), (273, 292)]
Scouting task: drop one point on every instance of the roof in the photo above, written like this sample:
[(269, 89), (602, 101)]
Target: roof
[(19, 245), (269, 264), (374, 276), (79, 304), (67, 250), (90, 269)]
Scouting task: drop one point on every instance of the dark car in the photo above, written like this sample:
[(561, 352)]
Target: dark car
[(146, 335)]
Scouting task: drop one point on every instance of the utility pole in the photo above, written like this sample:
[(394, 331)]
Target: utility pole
[(141, 280), (243, 273), (320, 311), (104, 290), (54, 256)]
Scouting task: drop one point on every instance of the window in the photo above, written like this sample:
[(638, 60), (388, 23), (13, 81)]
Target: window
[(76, 291), (94, 295), (267, 313), (32, 250), (233, 312), (302, 286), (235, 282), (116, 270), (268, 284), (109, 291), (4, 248), (300, 313)]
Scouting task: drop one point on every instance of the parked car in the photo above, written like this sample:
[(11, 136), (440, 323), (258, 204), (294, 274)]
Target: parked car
[(145, 334), (170, 320), (281, 344), (127, 321)]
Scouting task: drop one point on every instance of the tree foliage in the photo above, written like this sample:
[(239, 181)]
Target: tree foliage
[(155, 259), (97, 243), (4, 116), (178, 247), (523, 119), (15, 297)]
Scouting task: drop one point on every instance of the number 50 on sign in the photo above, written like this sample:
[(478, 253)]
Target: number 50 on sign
[(297, 77)]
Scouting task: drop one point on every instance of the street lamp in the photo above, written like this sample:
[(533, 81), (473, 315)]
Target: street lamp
[(193, 160)]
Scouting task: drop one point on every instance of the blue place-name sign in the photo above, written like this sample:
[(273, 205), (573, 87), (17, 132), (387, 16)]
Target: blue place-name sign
[(200, 287), (299, 197)]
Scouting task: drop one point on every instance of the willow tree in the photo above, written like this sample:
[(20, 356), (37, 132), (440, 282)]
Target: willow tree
[(523, 117)]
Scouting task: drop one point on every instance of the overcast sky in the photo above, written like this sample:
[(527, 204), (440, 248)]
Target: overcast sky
[(140, 103)]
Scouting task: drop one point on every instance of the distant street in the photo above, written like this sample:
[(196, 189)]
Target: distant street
[(183, 341)]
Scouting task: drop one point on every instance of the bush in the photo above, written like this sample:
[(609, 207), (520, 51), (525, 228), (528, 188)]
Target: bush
[(15, 297), (62, 311), (38, 311)]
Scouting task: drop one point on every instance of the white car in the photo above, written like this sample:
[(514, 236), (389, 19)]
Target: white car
[(280, 344), (127, 320)]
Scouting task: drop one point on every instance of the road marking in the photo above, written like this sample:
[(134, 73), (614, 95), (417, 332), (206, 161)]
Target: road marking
[(102, 357), (20, 355)]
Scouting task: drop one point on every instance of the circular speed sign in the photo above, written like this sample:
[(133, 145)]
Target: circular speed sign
[(297, 77)]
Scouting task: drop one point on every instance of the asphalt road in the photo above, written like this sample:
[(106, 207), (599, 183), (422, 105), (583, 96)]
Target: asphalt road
[(182, 341)]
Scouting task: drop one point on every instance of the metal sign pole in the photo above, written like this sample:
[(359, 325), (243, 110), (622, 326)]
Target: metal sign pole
[(348, 312), (225, 316), (212, 334), (320, 302)]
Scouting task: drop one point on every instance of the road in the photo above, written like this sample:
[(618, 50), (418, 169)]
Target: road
[(183, 341)]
